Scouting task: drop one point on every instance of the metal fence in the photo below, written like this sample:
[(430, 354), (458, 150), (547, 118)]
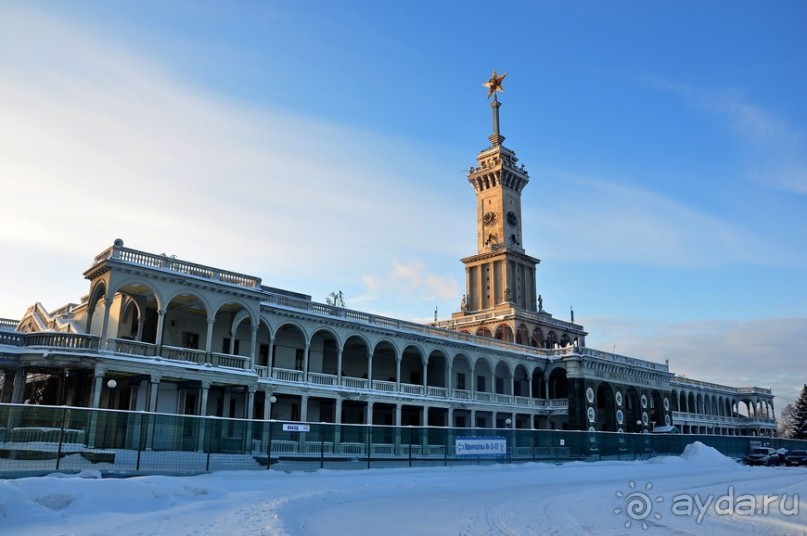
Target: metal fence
[(39, 439)]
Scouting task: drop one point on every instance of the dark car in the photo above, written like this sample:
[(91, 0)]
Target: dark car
[(762, 456), (796, 457)]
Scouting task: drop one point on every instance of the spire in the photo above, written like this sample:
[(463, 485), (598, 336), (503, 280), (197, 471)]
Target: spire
[(495, 85)]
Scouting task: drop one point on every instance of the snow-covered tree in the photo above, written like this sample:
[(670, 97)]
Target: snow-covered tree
[(784, 426), (800, 415)]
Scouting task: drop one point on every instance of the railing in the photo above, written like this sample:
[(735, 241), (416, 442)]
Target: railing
[(354, 383), (462, 394), (483, 397), (71, 341), (261, 371), (188, 355), (8, 323), (389, 387), (624, 360), (322, 379), (503, 399), (411, 389), (129, 347), (163, 262), (10, 338), (441, 392), (229, 360), (287, 375)]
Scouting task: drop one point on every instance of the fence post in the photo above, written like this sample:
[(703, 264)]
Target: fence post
[(321, 446), (140, 444), (61, 437), (207, 457), (369, 431), (445, 448), (269, 447), (410, 447)]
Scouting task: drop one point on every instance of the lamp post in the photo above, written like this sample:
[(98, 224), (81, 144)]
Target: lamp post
[(509, 423)]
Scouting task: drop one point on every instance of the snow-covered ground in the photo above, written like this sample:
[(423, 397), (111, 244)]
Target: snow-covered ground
[(700, 492)]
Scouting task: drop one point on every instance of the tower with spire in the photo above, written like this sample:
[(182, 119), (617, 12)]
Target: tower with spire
[(501, 298)]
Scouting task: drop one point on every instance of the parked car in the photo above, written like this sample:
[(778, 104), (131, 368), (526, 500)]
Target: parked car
[(762, 456), (796, 457)]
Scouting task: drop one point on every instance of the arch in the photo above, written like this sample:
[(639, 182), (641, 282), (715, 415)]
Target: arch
[(483, 376), (674, 400), (483, 331), (323, 352), (355, 354), (523, 335), (521, 381), (97, 292), (462, 373), (558, 384), (185, 322), (288, 348), (551, 340), (565, 341), (385, 362), (537, 339), (412, 362), (232, 334), (656, 408), (504, 333), (437, 369), (605, 408), (632, 408), (502, 379), (539, 385)]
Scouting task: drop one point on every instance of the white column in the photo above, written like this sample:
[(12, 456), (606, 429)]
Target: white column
[(253, 354), (209, 339), (105, 325), (160, 328)]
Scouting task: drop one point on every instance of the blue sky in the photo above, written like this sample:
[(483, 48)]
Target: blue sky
[(323, 146)]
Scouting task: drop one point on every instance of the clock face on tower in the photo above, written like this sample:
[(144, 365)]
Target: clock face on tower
[(489, 218), (512, 219)]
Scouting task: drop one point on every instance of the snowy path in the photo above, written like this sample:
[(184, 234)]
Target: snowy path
[(575, 498)]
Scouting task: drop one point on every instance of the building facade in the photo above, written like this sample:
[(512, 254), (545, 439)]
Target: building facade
[(159, 334)]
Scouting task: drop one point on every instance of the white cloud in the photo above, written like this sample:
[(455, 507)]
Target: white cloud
[(762, 352)]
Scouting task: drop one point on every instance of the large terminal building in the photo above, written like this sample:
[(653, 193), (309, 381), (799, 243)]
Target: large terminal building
[(185, 338)]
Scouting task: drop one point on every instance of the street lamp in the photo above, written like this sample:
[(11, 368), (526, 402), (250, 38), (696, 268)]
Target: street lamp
[(509, 423)]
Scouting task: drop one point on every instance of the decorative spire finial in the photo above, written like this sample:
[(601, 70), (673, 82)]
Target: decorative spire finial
[(494, 84)]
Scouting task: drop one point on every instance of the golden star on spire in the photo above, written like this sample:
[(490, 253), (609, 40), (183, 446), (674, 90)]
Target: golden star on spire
[(494, 84)]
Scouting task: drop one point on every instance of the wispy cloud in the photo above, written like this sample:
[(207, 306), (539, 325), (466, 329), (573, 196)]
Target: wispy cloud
[(616, 223), (99, 143), (777, 151)]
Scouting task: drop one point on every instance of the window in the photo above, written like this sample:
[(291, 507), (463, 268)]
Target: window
[(190, 340), (263, 355), (480, 384), (500, 385), (225, 346), (460, 380)]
